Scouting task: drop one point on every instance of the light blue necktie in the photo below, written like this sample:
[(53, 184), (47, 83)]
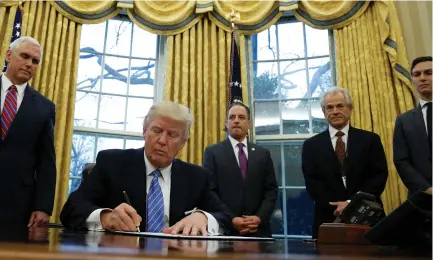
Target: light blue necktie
[(155, 205)]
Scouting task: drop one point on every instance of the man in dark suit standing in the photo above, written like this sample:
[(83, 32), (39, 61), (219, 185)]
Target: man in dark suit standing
[(27, 156), (161, 189), (243, 176), (413, 132), (341, 161)]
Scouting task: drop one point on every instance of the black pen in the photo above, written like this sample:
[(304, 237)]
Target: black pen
[(129, 203)]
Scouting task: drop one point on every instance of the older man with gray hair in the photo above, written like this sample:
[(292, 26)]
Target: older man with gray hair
[(341, 161), (148, 189), (27, 156)]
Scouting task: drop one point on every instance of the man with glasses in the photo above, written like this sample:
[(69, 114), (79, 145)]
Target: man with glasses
[(341, 161)]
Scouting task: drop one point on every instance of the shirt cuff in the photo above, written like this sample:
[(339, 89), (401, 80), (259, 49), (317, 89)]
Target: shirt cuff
[(93, 222)]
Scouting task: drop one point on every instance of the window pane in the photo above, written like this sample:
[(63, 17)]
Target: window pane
[(106, 142), (319, 121), (293, 79), (317, 41), (265, 80), (293, 162), (112, 112), (319, 71), (276, 220), (267, 118), (295, 117), (142, 78), (89, 72), (86, 107), (92, 37), (134, 143), (291, 40), (115, 75), (275, 150), (299, 212), (266, 48), (141, 38), (119, 37), (137, 110), (83, 148)]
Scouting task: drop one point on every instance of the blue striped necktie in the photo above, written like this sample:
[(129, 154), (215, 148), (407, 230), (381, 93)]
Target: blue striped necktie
[(155, 205)]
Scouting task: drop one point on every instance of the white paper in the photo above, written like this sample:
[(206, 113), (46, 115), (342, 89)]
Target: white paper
[(162, 235)]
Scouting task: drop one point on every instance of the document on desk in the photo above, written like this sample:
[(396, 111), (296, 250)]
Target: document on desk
[(169, 236)]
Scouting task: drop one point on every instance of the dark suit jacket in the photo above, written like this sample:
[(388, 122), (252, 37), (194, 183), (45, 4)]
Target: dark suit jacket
[(27, 161), (365, 167), (254, 196), (412, 154), (125, 170)]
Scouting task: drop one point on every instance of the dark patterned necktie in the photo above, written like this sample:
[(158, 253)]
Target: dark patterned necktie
[(340, 147), (243, 161), (429, 122), (9, 110)]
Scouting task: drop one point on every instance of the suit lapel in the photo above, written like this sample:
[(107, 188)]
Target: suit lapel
[(252, 160), (351, 148), (232, 161), (179, 182), (419, 128), (136, 189), (25, 110)]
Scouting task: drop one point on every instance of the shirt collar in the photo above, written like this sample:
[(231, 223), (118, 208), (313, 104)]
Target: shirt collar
[(165, 172), (423, 102), (6, 83), (333, 131), (235, 142)]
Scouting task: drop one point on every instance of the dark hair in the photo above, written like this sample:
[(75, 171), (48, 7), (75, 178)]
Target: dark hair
[(237, 103), (419, 60)]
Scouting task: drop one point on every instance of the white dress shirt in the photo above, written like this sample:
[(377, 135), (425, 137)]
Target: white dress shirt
[(93, 222), (6, 83), (333, 132), (424, 112), (235, 146)]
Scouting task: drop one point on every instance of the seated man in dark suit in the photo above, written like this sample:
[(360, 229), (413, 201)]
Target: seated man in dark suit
[(27, 155), (413, 133), (341, 161), (243, 176), (161, 188)]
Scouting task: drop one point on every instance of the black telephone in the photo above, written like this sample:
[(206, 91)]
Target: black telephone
[(363, 209)]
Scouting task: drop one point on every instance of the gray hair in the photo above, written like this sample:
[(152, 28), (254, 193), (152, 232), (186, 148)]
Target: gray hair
[(172, 110), (25, 39), (333, 91)]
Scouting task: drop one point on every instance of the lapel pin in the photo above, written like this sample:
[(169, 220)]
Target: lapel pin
[(253, 149)]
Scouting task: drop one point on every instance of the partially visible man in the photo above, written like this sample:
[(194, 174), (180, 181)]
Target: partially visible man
[(27, 156), (243, 176), (341, 161), (161, 189), (413, 132)]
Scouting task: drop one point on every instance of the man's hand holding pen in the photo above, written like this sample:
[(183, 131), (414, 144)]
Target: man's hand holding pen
[(122, 218)]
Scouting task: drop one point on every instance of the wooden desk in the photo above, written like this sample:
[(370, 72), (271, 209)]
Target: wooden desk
[(56, 243)]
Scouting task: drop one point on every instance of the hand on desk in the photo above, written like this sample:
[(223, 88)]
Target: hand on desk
[(190, 225), (122, 218), (340, 207), (38, 219), (246, 224)]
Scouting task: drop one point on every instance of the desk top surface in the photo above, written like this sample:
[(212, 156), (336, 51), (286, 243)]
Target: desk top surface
[(55, 243)]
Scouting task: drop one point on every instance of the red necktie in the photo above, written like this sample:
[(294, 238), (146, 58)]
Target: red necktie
[(340, 147), (9, 110)]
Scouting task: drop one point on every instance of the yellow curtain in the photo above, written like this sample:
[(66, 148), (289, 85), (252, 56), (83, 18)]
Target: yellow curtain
[(7, 14), (56, 79), (197, 75), (379, 94)]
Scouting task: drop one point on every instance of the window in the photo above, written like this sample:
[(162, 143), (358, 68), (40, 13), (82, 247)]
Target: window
[(116, 86), (291, 69)]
